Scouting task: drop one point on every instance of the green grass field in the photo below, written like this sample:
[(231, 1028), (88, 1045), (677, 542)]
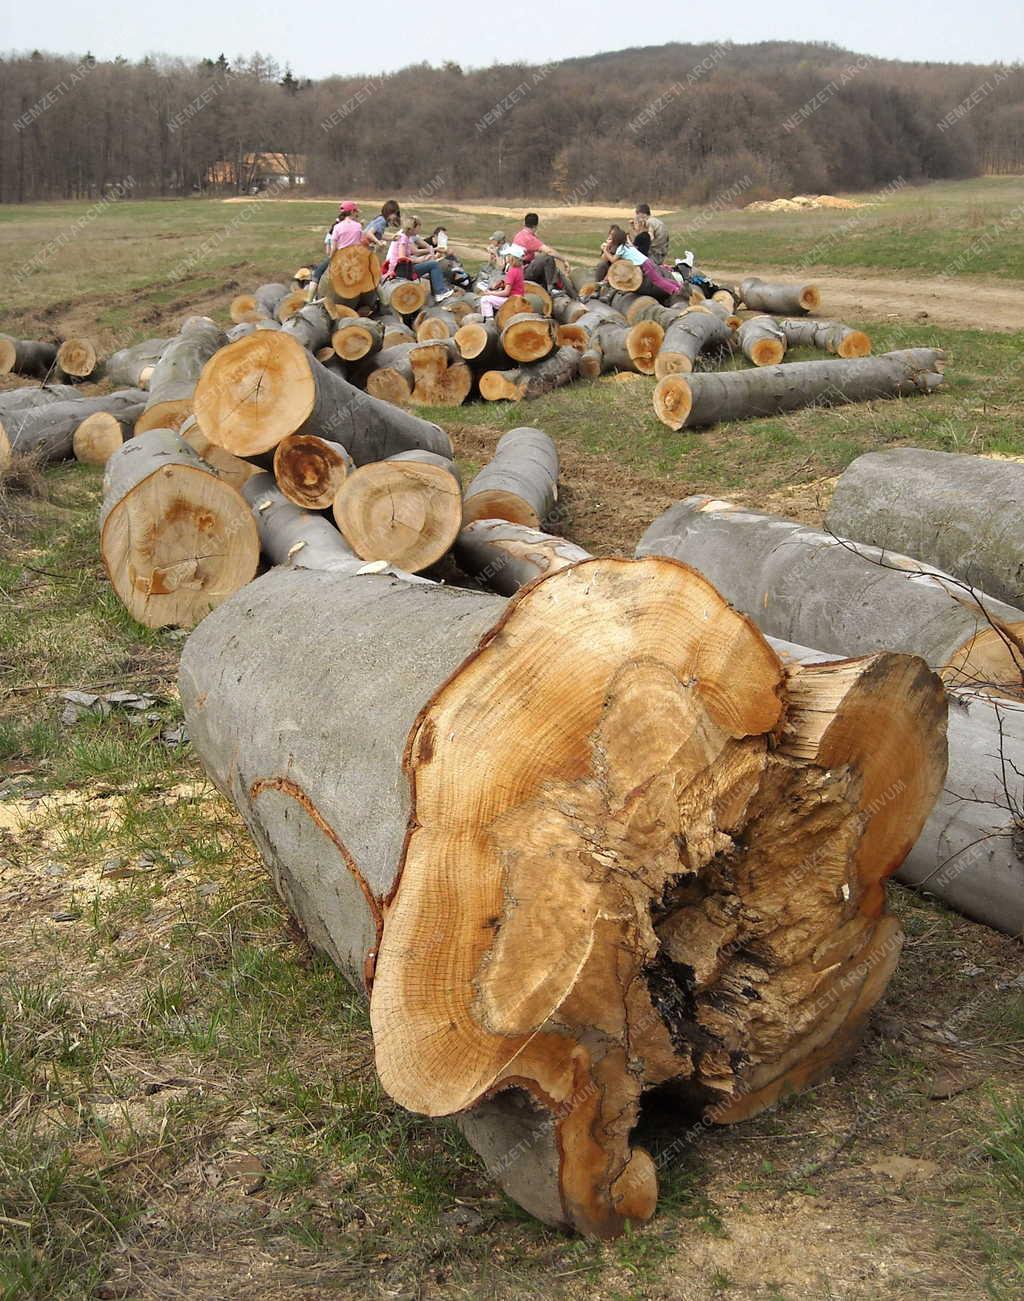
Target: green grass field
[(188, 1106)]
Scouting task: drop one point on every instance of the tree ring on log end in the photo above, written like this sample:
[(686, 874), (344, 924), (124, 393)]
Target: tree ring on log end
[(255, 391)]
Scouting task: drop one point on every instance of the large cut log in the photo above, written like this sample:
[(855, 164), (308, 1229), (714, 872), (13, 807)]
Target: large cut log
[(706, 398), (354, 271), (28, 357), (404, 297), (625, 276), (779, 300), (440, 376), (47, 431), (762, 341), (964, 514), (133, 367), (436, 323), (406, 510), (292, 536), (266, 386), (78, 359), (828, 336), (175, 539), (519, 483), (479, 342), (528, 337), (694, 330), (531, 381), (627, 347), (505, 556), (292, 302), (356, 337), (841, 597), (585, 876), (387, 375), (565, 310), (310, 470), (232, 469), (312, 325), (172, 384), (515, 305), (99, 435)]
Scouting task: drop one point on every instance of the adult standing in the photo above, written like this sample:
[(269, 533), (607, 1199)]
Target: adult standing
[(620, 249), (541, 264)]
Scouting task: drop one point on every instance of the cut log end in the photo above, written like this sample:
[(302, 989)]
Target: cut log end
[(353, 342), (672, 363), (625, 276), (77, 357), (8, 355), (643, 342), (767, 352), (494, 387), (673, 399), (167, 415), (855, 343), (252, 390), (404, 512), (290, 304), (810, 298), (244, 308), (408, 296), (389, 385), (354, 271), (310, 470), (97, 438)]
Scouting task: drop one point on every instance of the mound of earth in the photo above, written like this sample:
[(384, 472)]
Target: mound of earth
[(801, 203)]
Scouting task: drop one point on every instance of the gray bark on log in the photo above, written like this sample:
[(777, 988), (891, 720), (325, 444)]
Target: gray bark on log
[(24, 399), (133, 367), (519, 484), (762, 341), (175, 376), (48, 430), (533, 380), (506, 556), (779, 300), (963, 514), (311, 325), (692, 332), (268, 297), (840, 597), (295, 537), (827, 336), (27, 357)]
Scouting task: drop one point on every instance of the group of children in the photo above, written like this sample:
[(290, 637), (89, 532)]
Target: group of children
[(406, 253)]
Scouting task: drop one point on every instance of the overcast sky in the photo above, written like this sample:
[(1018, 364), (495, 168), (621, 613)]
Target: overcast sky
[(318, 37)]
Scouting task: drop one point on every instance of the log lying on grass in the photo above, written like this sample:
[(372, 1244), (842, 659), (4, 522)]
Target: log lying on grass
[(638, 886), (964, 514), (48, 430), (705, 399), (175, 539), (292, 536), (24, 399), (173, 382), (78, 359), (622, 346), (28, 357), (693, 331), (505, 556), (310, 470), (828, 336), (841, 597), (133, 367), (762, 341), (406, 510), (99, 435), (779, 300), (519, 483), (266, 386), (440, 376), (525, 382)]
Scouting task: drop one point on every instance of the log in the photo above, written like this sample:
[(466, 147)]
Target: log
[(596, 312), (516, 305), (406, 510), (6, 452), (479, 342), (960, 513), (626, 347), (505, 557), (28, 357), (243, 309), (598, 919), (706, 399), (310, 470), (172, 384), (259, 390), (232, 469), (294, 537), (99, 435), (842, 597), (395, 332), (778, 300), (566, 310), (312, 326), (133, 367), (404, 297), (176, 539), (354, 271), (356, 337), (762, 341), (624, 276), (24, 399), (692, 332), (440, 376), (435, 323), (527, 337), (828, 336), (532, 381), (47, 431), (519, 483), (387, 375), (78, 359), (269, 297), (591, 362), (292, 302), (572, 336)]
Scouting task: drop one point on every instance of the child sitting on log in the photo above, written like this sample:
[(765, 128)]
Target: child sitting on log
[(410, 256), (619, 248), (509, 286)]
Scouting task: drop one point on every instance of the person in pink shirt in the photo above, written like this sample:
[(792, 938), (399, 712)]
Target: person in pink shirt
[(352, 233), (511, 284), (541, 264)]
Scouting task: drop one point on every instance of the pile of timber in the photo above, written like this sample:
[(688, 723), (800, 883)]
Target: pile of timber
[(619, 844)]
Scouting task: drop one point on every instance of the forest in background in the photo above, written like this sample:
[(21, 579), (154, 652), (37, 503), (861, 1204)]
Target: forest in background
[(673, 123)]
